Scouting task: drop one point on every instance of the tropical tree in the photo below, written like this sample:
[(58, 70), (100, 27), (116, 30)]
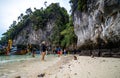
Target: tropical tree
[(28, 11), (45, 3), (69, 36), (38, 20)]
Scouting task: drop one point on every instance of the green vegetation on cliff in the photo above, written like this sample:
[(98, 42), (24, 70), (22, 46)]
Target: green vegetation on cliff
[(80, 5), (62, 32), (68, 34)]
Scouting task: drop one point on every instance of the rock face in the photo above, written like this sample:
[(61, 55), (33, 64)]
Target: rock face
[(29, 36), (42, 25), (100, 22)]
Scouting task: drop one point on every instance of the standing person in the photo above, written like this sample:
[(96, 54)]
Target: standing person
[(64, 51), (43, 48), (61, 52), (33, 52), (58, 51)]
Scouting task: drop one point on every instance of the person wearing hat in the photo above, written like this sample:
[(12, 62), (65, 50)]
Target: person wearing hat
[(43, 48)]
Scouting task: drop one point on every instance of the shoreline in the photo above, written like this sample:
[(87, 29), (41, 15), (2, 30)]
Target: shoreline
[(26, 68), (63, 67)]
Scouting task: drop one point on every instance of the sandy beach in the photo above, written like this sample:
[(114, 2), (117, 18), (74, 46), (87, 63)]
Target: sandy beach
[(63, 67)]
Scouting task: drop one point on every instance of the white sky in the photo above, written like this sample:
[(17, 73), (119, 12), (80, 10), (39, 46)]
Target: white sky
[(11, 9)]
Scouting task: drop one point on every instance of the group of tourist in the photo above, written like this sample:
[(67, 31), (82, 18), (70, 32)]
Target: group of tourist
[(60, 51), (45, 49), (57, 50)]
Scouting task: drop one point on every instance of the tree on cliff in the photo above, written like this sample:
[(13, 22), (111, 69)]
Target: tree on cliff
[(80, 5), (55, 12), (69, 37), (38, 20)]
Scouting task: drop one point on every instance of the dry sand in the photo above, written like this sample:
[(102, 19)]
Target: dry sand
[(63, 67), (87, 67)]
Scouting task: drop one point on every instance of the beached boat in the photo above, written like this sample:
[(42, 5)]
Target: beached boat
[(19, 52)]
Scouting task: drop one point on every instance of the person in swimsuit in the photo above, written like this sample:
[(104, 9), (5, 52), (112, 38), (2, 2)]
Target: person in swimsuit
[(43, 48)]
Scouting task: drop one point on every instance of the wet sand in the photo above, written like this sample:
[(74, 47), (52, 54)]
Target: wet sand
[(26, 68), (63, 67)]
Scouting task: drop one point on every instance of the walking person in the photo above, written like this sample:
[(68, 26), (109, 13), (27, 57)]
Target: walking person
[(43, 48)]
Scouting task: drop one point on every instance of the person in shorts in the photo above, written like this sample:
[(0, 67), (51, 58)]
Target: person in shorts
[(43, 49)]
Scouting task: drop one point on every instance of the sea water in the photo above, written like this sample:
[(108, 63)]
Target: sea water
[(16, 58), (13, 65)]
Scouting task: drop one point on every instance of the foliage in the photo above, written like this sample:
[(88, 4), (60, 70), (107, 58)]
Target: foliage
[(38, 20), (80, 5), (68, 34), (60, 16)]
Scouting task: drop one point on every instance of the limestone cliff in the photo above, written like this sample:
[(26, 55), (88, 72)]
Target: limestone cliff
[(30, 36), (42, 25), (99, 23)]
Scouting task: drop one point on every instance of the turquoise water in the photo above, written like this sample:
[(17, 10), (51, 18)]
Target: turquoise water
[(15, 58)]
